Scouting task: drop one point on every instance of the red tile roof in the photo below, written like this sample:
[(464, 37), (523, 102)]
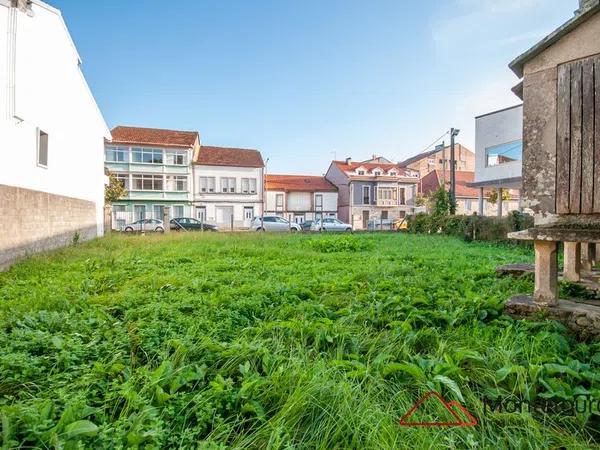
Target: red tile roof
[(300, 183), (369, 167), (433, 180), (153, 136), (224, 156)]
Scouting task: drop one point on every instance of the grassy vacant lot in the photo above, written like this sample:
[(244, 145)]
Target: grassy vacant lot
[(282, 342)]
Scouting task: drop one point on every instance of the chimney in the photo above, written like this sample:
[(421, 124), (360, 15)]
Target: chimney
[(586, 5), (348, 161)]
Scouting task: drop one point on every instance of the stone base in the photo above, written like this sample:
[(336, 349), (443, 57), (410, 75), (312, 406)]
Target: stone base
[(515, 270), (582, 318)]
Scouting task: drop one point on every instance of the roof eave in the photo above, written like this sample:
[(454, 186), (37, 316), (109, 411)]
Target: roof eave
[(518, 64)]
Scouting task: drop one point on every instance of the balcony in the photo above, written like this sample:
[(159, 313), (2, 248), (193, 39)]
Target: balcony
[(388, 202)]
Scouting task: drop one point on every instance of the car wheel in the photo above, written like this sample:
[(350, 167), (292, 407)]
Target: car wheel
[(294, 230), (159, 229), (128, 230), (260, 229), (349, 230)]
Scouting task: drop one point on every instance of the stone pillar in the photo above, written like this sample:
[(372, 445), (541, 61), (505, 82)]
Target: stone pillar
[(572, 258), (167, 219), (481, 211), (107, 219), (588, 256), (500, 202), (546, 273)]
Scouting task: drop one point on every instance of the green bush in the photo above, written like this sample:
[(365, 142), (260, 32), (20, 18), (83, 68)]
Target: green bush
[(470, 228)]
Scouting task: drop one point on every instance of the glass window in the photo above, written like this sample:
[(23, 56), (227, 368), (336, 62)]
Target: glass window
[(177, 183), (227, 184), (42, 150), (147, 155), (377, 173), (366, 191), (402, 192), (123, 178), (279, 200), (147, 182), (176, 158), (319, 201), (177, 211), (504, 153), (361, 172), (115, 154), (206, 184), (248, 185)]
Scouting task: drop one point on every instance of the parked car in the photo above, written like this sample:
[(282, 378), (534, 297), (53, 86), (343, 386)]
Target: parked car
[(330, 224), (306, 225), (274, 223), (144, 225), (191, 224)]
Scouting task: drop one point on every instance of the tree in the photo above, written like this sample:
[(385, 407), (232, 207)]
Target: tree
[(442, 203), (114, 190), (493, 196)]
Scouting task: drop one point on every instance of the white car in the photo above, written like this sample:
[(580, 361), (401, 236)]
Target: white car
[(144, 225), (330, 224), (274, 223)]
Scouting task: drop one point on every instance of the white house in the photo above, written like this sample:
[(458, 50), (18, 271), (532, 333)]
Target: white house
[(498, 155), (228, 186), (51, 135), (300, 197)]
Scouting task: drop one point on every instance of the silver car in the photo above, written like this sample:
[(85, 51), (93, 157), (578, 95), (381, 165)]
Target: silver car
[(144, 225), (330, 224), (274, 223)]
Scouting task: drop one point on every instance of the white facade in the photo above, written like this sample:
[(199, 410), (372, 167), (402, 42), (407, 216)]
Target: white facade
[(225, 192), (301, 206), (493, 131), (43, 95)]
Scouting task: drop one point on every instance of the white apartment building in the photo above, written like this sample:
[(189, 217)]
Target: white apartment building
[(299, 198), (51, 135), (228, 186)]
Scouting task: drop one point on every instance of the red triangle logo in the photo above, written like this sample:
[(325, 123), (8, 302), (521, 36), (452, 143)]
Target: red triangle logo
[(460, 416)]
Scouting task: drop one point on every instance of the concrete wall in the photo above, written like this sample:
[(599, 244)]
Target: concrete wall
[(465, 160), (34, 221), (494, 129), (540, 115)]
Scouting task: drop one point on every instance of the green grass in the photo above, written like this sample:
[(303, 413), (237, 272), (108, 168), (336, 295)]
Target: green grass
[(281, 342)]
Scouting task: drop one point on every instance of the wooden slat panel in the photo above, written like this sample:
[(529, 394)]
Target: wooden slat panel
[(587, 139), (597, 141), (576, 112), (563, 144)]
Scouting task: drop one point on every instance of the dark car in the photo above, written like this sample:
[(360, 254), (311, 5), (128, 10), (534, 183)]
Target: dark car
[(306, 225), (191, 224)]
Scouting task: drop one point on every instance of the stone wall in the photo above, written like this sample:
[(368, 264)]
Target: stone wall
[(34, 221)]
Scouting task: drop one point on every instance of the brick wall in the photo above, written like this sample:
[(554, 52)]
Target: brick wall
[(34, 221)]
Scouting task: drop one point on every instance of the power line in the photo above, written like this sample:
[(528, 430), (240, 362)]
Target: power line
[(434, 142)]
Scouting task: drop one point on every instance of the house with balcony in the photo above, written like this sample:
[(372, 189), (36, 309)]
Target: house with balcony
[(299, 198), (368, 190), (155, 168), (228, 186), (51, 135)]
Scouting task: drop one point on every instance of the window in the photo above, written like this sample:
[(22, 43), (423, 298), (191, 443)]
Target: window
[(175, 158), (159, 212), (468, 204), (402, 192), (227, 184), (123, 178), (115, 154), (147, 155), (377, 173), (361, 172), (177, 211), (319, 201), (147, 182), (42, 149), (366, 192), (393, 174), (504, 153), (248, 185), (385, 194), (279, 201), (207, 184), (177, 183), (139, 211)]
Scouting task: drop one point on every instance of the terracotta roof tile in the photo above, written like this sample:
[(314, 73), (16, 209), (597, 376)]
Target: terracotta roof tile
[(225, 156), (153, 136), (433, 180), (300, 183), (369, 167)]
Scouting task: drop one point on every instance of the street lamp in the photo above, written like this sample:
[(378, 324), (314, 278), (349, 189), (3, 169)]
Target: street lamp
[(453, 133)]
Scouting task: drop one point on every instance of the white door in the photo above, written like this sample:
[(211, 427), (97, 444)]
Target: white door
[(224, 215), (201, 213), (248, 215)]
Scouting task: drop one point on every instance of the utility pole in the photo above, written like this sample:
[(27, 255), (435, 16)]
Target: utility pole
[(442, 147), (453, 133)]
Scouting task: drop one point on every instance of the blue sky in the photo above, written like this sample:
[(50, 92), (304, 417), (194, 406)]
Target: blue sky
[(306, 80)]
